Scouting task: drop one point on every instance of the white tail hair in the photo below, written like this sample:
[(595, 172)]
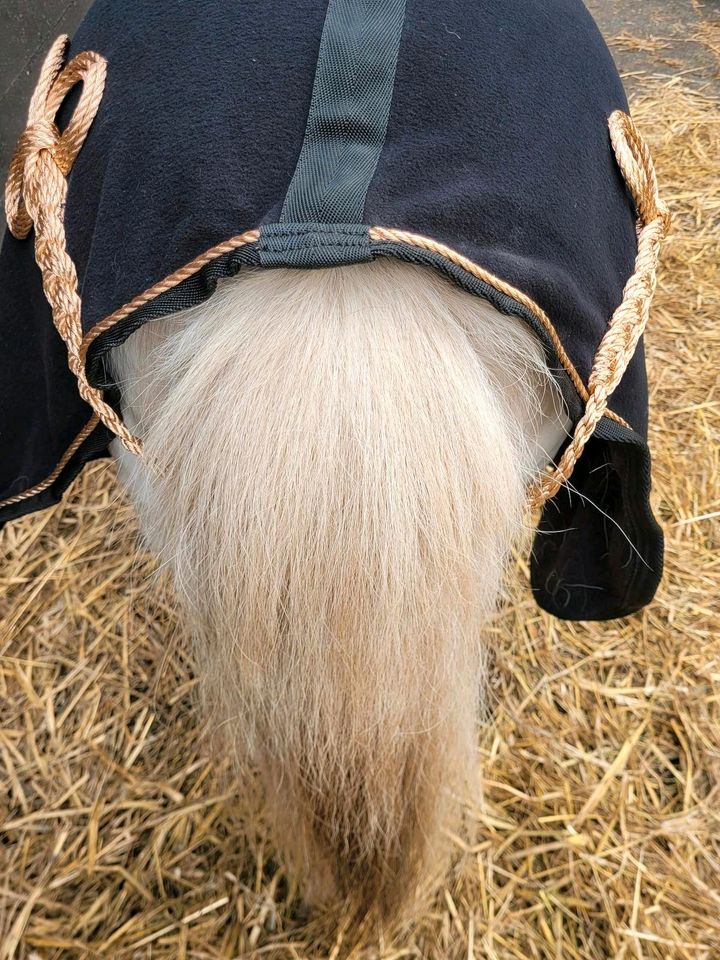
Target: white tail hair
[(335, 469)]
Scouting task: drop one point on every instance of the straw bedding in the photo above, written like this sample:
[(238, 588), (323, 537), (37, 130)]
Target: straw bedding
[(599, 829)]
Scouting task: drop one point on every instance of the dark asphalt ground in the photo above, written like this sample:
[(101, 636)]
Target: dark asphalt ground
[(27, 27)]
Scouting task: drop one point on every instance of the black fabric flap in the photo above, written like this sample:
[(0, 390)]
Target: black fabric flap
[(598, 552)]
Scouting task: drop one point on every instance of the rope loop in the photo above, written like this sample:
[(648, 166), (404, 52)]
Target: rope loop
[(628, 323), (35, 195), (636, 164), (36, 191)]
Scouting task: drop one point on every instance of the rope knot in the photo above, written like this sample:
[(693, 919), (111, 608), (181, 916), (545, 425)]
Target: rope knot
[(635, 162), (39, 135), (27, 174), (35, 194)]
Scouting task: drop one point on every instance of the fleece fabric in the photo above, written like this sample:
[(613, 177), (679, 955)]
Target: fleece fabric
[(481, 125)]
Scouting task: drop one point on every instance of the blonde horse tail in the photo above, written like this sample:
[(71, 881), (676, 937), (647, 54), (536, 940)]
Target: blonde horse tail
[(335, 469)]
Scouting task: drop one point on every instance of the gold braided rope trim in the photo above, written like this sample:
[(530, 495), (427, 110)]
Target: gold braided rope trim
[(36, 192), (250, 236), (35, 195), (630, 318), (434, 246)]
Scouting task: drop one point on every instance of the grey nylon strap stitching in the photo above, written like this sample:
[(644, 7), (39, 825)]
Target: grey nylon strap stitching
[(349, 110)]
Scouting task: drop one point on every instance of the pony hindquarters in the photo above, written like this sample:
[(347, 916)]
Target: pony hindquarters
[(335, 469)]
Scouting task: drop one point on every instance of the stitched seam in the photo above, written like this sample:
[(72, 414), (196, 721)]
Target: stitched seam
[(305, 231), (315, 241)]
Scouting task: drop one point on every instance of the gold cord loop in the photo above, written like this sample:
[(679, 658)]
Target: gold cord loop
[(36, 191), (35, 195), (630, 318)]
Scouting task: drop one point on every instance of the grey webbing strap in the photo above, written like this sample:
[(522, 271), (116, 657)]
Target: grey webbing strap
[(349, 110)]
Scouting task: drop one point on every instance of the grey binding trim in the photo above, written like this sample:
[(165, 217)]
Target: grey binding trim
[(313, 244), (349, 110)]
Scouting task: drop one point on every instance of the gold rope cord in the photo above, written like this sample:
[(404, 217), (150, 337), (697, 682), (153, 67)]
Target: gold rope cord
[(627, 323), (62, 463), (630, 318), (250, 236), (36, 191), (35, 195)]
